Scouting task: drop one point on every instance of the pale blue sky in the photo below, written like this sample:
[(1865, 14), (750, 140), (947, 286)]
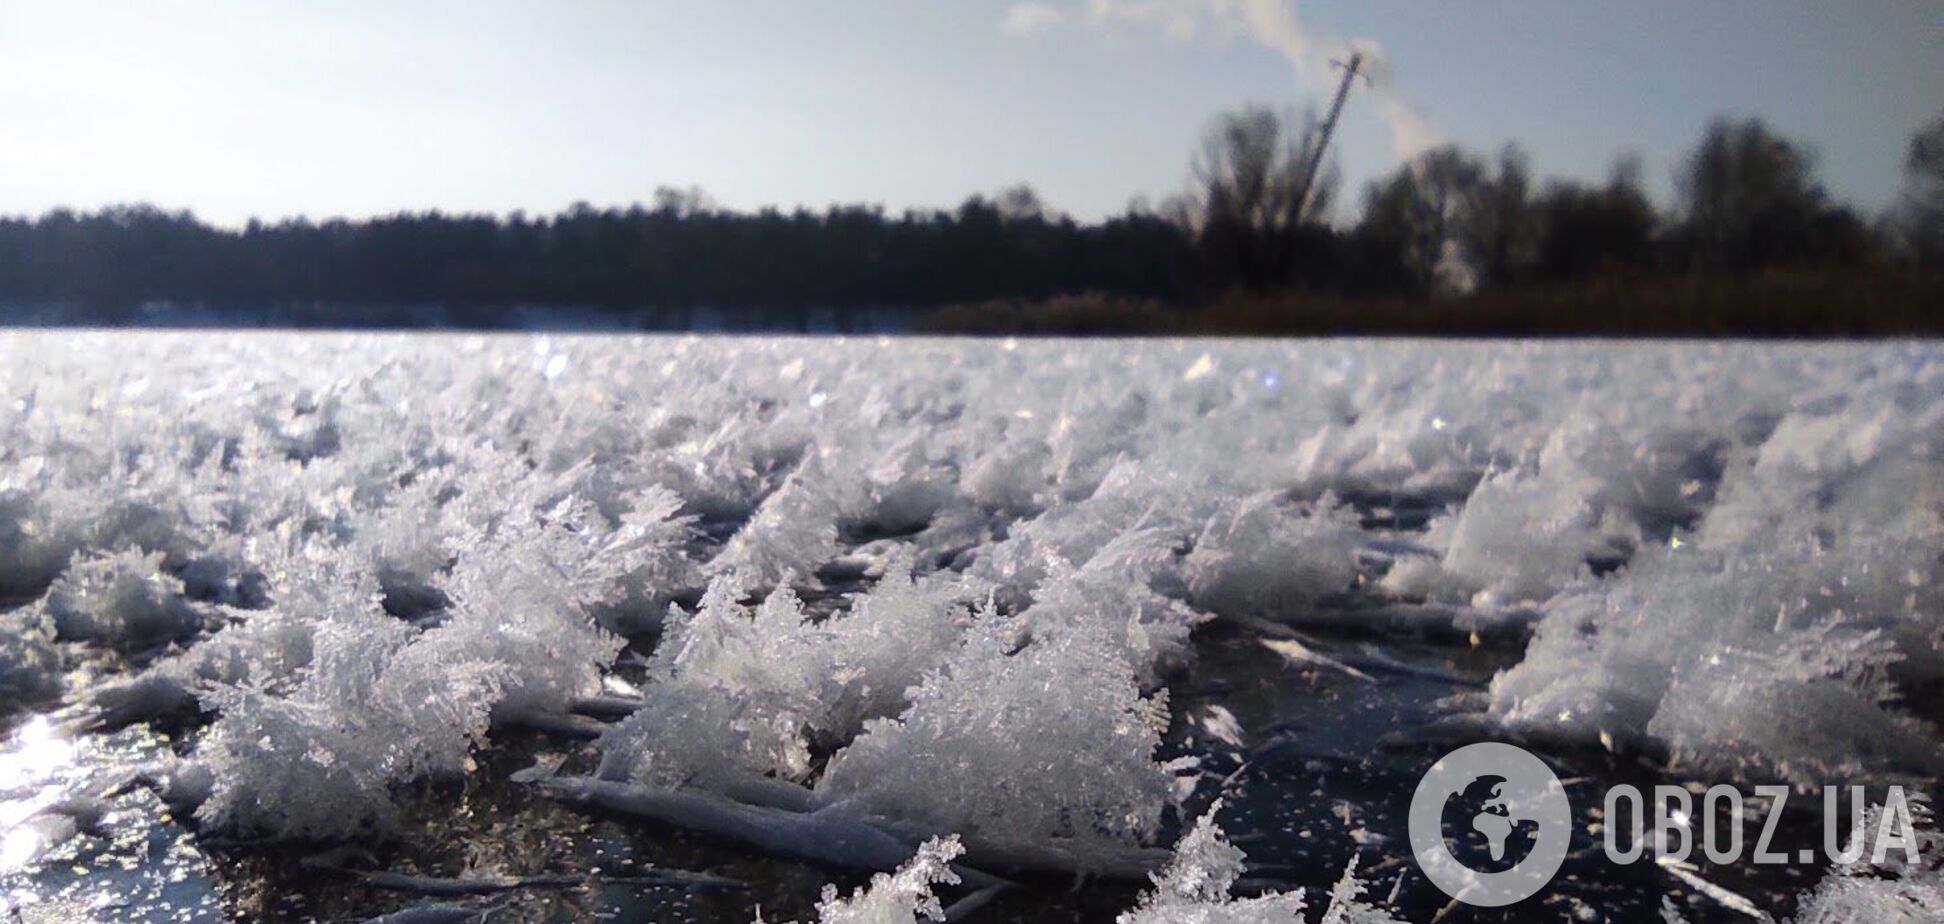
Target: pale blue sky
[(352, 107)]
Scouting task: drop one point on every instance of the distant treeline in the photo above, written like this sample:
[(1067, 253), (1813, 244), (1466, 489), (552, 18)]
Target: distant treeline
[(677, 253), (1251, 222)]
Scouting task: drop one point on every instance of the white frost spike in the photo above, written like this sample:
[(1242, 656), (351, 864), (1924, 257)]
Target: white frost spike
[(1895, 890), (123, 600), (1345, 908), (900, 897), (1194, 888), (1260, 556), (738, 693), (987, 731), (29, 662)]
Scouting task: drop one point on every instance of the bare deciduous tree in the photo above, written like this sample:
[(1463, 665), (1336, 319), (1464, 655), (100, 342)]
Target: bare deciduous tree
[(1919, 222), (1423, 210), (1248, 201), (1500, 234), (1750, 199), (1584, 230)]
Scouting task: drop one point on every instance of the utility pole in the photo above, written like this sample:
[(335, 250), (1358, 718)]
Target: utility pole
[(1350, 73)]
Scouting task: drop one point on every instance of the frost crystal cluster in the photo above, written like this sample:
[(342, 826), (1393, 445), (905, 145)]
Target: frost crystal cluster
[(923, 588), (901, 897)]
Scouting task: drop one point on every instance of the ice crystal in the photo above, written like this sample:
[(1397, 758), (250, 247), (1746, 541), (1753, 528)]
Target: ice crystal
[(1194, 887), (123, 600), (901, 897), (361, 553), (1893, 887), (1261, 558), (28, 660), (753, 688), (986, 731)]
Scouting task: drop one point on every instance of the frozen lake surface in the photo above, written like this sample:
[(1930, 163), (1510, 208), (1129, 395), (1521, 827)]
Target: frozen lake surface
[(324, 627)]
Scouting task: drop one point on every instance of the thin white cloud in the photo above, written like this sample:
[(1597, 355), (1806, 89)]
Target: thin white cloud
[(1274, 25), (1180, 20), (1032, 18)]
